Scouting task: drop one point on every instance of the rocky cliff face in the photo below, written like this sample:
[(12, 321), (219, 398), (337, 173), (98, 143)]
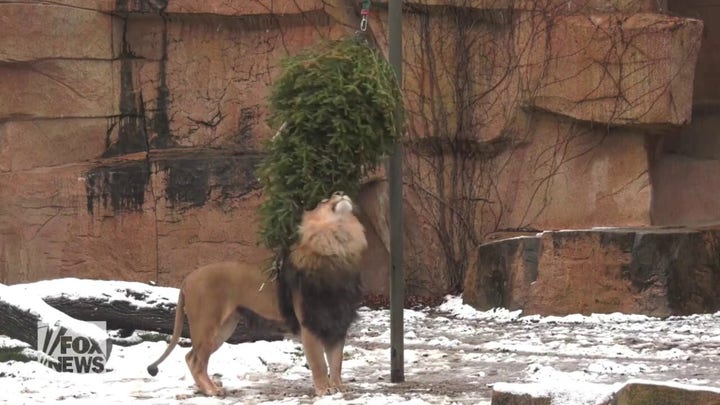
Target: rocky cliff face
[(547, 115), (129, 129), (129, 132)]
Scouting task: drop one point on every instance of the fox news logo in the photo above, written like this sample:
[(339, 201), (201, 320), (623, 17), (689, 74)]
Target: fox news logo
[(68, 353)]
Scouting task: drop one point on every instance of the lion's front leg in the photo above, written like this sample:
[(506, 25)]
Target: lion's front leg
[(335, 358), (314, 353)]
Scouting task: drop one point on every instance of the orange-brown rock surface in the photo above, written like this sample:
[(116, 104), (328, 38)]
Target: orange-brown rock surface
[(657, 272), (542, 115), (640, 392), (129, 129), (620, 69), (129, 132), (631, 393)]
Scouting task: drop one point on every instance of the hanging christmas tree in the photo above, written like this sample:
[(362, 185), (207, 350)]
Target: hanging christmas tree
[(334, 109)]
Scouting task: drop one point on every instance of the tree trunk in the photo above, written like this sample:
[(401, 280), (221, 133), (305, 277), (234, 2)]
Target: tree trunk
[(135, 306), (27, 318)]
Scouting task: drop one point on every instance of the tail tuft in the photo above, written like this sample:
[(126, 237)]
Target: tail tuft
[(152, 370)]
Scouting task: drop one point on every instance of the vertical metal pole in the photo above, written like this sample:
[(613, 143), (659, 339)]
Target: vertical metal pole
[(397, 277)]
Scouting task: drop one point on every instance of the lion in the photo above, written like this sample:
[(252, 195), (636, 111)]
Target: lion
[(316, 295)]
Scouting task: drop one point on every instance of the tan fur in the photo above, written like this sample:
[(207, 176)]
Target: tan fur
[(212, 295)]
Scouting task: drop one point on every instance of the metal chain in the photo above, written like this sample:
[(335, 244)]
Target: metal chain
[(364, 13)]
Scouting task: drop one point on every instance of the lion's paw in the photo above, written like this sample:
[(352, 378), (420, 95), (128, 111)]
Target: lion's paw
[(212, 391), (337, 386), (325, 390)]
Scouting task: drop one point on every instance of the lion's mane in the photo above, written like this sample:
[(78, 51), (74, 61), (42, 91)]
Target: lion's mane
[(322, 268)]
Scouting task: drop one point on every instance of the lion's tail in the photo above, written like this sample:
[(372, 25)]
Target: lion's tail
[(177, 330)]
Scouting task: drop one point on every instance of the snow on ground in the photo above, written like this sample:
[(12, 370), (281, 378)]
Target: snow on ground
[(453, 354)]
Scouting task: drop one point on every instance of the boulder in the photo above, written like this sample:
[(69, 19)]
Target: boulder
[(656, 272), (511, 398), (631, 393), (646, 392)]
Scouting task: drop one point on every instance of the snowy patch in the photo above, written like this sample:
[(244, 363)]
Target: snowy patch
[(32, 304), (497, 241), (453, 354), (561, 393), (604, 366), (10, 343), (454, 306), (137, 294)]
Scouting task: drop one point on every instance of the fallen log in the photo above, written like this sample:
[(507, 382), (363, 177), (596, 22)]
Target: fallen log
[(15, 350), (68, 344), (131, 306)]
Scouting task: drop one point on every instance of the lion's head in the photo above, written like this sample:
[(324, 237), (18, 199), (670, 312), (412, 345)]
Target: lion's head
[(330, 236)]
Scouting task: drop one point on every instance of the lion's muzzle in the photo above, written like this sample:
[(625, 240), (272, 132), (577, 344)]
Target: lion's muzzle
[(343, 206)]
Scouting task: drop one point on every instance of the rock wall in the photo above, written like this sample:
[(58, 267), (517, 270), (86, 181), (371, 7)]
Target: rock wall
[(685, 190), (129, 132), (129, 129), (541, 115)]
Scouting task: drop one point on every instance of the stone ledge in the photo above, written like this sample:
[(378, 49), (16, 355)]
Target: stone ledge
[(513, 398), (634, 392), (621, 70), (650, 271), (646, 392)]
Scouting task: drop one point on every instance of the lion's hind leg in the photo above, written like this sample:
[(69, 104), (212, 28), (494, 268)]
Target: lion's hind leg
[(207, 338), (197, 361)]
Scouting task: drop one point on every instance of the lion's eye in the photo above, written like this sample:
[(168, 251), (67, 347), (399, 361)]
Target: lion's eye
[(324, 200), (338, 194)]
